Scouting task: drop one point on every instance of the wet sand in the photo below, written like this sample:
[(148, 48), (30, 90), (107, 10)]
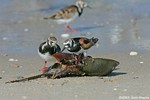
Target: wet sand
[(121, 26)]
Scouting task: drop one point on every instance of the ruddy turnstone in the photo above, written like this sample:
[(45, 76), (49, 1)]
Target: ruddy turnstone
[(68, 14), (79, 45), (46, 49)]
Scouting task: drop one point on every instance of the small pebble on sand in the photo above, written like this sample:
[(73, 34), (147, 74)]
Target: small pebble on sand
[(0, 77), (15, 65), (26, 29), (5, 38), (115, 89), (136, 77), (24, 97), (133, 53), (11, 59), (20, 77), (125, 90), (76, 96), (141, 62), (3, 71)]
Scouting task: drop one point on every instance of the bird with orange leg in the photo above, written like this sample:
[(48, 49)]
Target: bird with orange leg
[(68, 14), (47, 49)]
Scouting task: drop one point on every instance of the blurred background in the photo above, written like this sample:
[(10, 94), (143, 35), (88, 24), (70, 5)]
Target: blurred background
[(120, 25)]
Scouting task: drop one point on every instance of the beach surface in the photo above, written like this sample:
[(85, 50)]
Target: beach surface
[(123, 31)]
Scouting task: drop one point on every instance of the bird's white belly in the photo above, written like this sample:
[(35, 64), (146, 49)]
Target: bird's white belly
[(45, 56), (62, 21)]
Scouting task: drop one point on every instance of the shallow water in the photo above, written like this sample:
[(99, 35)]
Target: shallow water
[(119, 25)]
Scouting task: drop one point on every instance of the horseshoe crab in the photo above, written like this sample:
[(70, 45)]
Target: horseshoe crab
[(89, 66), (77, 65), (98, 66)]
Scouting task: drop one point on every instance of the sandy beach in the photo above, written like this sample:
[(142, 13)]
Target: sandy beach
[(130, 79), (123, 31)]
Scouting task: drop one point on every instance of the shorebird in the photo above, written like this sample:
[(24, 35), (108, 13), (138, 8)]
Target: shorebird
[(47, 49), (79, 45), (68, 14)]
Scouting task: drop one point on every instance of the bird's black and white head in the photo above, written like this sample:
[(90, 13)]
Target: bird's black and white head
[(52, 41), (68, 44), (94, 40), (81, 4)]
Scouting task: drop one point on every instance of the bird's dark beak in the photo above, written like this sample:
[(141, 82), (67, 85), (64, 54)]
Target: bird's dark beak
[(94, 40), (63, 49)]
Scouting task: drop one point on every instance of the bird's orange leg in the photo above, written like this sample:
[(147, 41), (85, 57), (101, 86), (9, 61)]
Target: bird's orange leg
[(44, 68), (69, 28)]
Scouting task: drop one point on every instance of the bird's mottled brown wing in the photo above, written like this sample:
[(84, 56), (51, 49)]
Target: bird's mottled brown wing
[(64, 13)]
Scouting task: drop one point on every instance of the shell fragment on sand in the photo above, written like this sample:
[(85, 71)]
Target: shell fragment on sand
[(141, 62), (12, 59), (133, 53)]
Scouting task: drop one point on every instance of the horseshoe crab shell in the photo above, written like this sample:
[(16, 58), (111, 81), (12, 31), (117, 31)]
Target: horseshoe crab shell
[(99, 66)]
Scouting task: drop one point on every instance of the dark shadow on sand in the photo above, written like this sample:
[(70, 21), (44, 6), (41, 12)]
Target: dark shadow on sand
[(116, 74), (87, 28), (109, 75)]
